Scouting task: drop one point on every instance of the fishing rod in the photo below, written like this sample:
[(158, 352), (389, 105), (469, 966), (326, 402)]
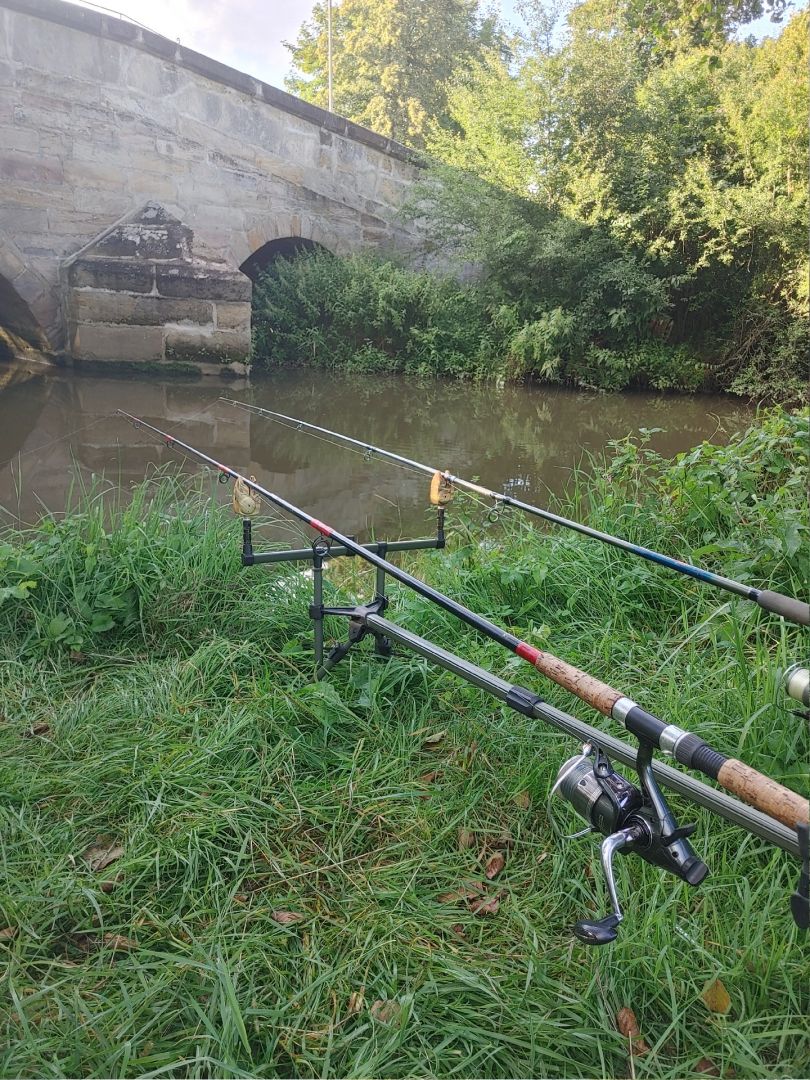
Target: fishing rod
[(443, 482), (633, 819), (735, 776)]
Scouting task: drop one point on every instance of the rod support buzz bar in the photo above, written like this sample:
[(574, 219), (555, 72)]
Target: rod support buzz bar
[(787, 607)]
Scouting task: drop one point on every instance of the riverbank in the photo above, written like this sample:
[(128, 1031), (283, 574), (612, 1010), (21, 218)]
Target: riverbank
[(593, 326), (280, 853)]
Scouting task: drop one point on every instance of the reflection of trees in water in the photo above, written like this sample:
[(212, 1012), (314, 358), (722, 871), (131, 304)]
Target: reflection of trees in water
[(523, 438)]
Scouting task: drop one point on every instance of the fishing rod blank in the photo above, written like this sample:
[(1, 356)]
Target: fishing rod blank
[(787, 606), (749, 785)]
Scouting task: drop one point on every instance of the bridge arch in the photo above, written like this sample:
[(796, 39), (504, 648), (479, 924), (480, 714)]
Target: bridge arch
[(284, 247), (27, 303)]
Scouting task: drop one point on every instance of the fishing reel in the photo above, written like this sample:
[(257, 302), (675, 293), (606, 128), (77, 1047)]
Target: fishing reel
[(633, 819)]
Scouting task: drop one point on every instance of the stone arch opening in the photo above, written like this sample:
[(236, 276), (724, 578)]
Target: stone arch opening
[(285, 247), (19, 329)]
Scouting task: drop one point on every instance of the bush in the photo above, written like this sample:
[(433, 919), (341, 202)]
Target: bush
[(366, 314)]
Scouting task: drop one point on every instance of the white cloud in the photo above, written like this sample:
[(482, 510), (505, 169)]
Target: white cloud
[(247, 34)]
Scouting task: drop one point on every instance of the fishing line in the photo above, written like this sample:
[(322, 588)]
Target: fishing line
[(53, 442)]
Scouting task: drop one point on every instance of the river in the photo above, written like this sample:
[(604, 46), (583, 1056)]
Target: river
[(521, 439)]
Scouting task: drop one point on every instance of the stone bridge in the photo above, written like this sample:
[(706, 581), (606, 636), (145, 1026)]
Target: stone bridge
[(143, 186)]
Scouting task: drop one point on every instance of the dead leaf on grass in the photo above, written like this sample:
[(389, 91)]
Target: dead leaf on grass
[(386, 1012), (287, 918), (707, 1067), (468, 891), (8, 932), (357, 1000), (466, 839), (494, 865), (429, 777), (37, 731), (119, 943), (100, 854), (108, 886), (716, 998), (486, 905), (432, 742), (458, 930), (628, 1026), (523, 800)]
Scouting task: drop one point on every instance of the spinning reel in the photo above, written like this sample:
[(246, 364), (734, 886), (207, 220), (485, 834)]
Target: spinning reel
[(632, 819)]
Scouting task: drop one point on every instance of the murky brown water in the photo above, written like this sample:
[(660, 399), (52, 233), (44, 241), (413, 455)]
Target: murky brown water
[(522, 439)]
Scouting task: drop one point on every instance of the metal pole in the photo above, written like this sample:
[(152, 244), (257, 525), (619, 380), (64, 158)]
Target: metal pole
[(329, 53)]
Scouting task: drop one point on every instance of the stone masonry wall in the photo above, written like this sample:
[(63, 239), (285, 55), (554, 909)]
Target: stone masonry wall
[(99, 118)]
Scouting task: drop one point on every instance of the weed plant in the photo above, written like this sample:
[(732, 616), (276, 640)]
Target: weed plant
[(278, 905)]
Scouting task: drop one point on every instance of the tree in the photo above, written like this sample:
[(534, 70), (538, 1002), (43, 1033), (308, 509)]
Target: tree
[(391, 60)]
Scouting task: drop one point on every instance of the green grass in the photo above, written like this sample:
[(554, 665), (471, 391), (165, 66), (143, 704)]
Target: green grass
[(184, 727)]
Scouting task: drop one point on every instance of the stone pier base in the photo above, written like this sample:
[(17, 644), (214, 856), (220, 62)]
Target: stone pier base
[(140, 295)]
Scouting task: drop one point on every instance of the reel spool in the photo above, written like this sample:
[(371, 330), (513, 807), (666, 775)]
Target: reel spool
[(632, 819)]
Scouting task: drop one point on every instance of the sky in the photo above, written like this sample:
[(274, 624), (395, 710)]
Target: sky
[(249, 34)]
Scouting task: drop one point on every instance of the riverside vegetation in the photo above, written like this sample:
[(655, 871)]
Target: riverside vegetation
[(211, 865), (627, 178)]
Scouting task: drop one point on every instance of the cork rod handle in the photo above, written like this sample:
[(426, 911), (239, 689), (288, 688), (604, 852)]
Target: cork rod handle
[(765, 794)]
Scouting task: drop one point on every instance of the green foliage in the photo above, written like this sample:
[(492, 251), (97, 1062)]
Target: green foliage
[(366, 314), (391, 60), (656, 163), (739, 508)]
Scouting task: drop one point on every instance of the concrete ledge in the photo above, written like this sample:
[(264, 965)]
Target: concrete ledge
[(115, 29)]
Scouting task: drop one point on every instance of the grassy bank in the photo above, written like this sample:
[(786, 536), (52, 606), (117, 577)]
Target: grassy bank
[(278, 904)]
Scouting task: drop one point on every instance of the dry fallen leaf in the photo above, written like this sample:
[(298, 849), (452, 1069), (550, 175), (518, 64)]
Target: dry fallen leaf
[(458, 930), (486, 905), (466, 839), (119, 943), (357, 1000), (429, 777), (494, 865), (386, 1012), (468, 891), (99, 855), (628, 1026), (108, 886), (77, 657), (523, 800), (707, 1067), (37, 730), (287, 918), (716, 998), (433, 741), (7, 933)]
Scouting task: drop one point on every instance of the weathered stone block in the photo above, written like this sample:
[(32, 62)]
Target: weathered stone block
[(118, 343), (198, 280), (231, 315), (120, 275), (137, 240), (97, 306), (221, 346)]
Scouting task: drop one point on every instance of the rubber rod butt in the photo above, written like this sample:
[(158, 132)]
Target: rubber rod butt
[(765, 794), (787, 606)]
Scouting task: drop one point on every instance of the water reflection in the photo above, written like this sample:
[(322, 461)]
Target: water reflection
[(522, 439)]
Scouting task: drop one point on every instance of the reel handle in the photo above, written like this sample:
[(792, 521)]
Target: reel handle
[(603, 931)]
